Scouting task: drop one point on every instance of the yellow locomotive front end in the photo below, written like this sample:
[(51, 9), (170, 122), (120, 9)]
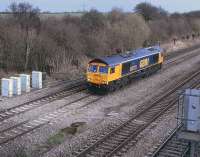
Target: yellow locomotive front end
[(97, 75), (103, 73)]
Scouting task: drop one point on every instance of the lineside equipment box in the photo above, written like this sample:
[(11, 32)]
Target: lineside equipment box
[(6, 87), (16, 85), (25, 82), (37, 79), (192, 110)]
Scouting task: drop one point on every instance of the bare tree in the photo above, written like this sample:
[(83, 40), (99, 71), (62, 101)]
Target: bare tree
[(150, 12), (93, 21), (115, 15), (28, 18), (61, 44)]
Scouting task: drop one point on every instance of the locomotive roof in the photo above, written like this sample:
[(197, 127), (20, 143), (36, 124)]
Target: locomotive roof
[(132, 55)]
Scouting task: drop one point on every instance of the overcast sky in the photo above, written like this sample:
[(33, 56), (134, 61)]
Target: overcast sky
[(105, 5)]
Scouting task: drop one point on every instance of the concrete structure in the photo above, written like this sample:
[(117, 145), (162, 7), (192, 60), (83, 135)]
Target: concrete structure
[(37, 79), (25, 82), (189, 117), (192, 109), (6, 87), (16, 85)]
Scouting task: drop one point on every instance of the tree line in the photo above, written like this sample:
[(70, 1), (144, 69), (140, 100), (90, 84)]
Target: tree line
[(51, 44)]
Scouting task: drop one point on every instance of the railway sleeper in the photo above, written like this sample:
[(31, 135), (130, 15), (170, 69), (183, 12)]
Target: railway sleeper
[(107, 147), (98, 152), (170, 151), (116, 139), (124, 149), (8, 113), (175, 139), (2, 137), (119, 154), (20, 129), (176, 145), (154, 110), (89, 155), (120, 136), (13, 111), (29, 106), (93, 140), (146, 118), (23, 128), (129, 128), (131, 143), (8, 134), (180, 149), (123, 134), (150, 114), (109, 143), (2, 115), (19, 109), (15, 131), (170, 154), (136, 123)]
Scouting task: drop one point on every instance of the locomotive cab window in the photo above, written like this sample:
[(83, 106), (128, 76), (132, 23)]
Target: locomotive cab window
[(103, 69), (93, 68), (112, 70), (155, 58)]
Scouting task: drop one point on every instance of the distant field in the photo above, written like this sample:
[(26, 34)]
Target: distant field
[(46, 15), (60, 15)]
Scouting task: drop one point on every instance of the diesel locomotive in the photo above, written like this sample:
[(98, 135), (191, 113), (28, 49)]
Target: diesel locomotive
[(113, 72)]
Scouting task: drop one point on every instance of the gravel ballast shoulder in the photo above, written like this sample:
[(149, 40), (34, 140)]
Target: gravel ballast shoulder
[(99, 116)]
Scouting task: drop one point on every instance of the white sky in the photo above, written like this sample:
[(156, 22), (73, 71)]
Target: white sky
[(105, 5)]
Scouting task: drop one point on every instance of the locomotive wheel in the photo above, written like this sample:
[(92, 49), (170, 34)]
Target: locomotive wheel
[(111, 88), (118, 85)]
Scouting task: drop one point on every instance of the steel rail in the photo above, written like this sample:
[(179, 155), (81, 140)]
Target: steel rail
[(98, 142)]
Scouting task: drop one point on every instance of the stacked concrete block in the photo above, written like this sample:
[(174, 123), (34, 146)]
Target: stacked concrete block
[(25, 82), (16, 85), (37, 79), (6, 87)]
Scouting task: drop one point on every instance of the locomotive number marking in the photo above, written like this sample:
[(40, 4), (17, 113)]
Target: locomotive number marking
[(144, 62), (134, 67)]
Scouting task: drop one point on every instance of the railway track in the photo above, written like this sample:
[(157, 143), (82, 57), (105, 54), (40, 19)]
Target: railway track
[(27, 106), (25, 127), (171, 146), (119, 140), (181, 58), (61, 82), (19, 109), (182, 51)]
